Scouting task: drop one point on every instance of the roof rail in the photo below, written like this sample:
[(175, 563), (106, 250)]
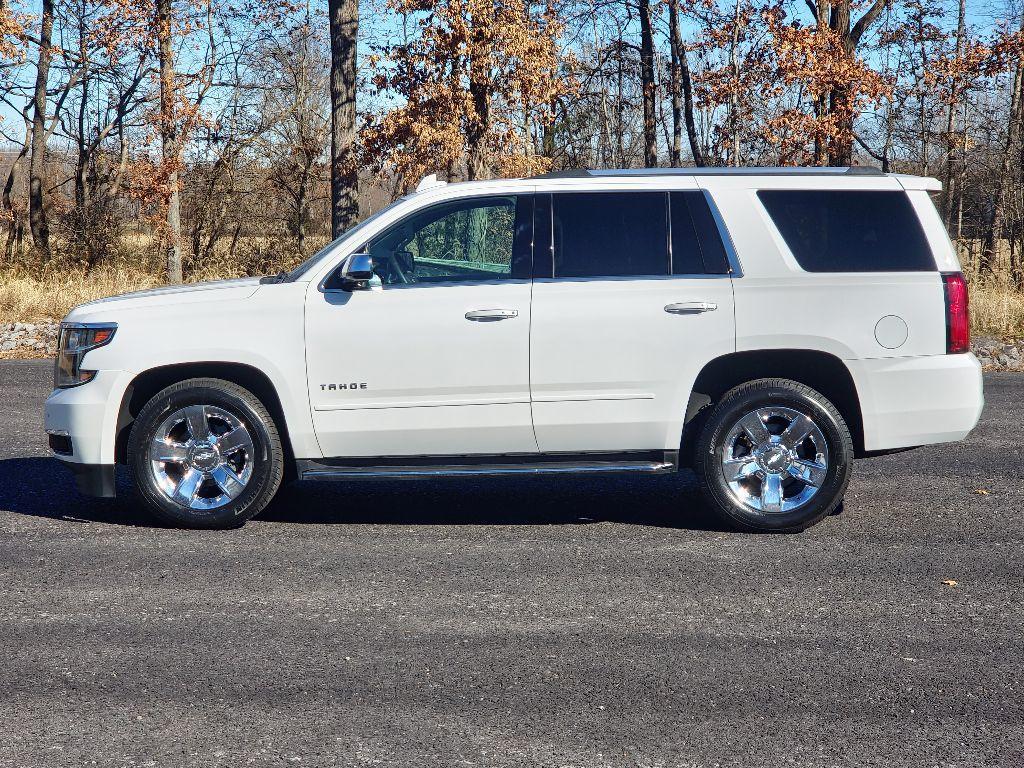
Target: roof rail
[(864, 170), (579, 173), (568, 173)]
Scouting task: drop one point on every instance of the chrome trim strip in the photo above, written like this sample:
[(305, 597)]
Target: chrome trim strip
[(377, 405), (586, 397)]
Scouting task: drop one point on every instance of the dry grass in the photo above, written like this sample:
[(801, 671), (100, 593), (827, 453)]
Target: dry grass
[(29, 298), (31, 293), (997, 310)]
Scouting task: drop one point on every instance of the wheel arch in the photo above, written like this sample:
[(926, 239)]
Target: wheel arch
[(819, 370), (146, 384)]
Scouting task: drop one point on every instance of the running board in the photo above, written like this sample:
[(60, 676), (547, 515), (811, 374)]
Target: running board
[(313, 470)]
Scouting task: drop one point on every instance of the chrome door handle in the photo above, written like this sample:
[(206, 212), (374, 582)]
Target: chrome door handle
[(690, 307), (490, 315)]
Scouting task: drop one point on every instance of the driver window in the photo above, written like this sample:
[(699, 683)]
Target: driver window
[(456, 241)]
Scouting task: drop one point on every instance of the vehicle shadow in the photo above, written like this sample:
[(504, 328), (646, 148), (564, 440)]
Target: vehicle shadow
[(41, 487)]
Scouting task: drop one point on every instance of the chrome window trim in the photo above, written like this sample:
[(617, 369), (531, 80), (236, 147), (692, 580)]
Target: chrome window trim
[(407, 286)]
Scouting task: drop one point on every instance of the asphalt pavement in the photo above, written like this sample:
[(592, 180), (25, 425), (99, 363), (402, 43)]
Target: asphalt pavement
[(516, 622)]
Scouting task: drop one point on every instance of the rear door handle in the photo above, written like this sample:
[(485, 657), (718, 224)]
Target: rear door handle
[(490, 315), (690, 307)]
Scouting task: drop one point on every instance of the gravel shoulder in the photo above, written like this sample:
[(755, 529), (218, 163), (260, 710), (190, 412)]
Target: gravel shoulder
[(554, 622)]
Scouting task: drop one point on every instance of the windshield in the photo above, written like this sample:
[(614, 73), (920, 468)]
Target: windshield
[(345, 237)]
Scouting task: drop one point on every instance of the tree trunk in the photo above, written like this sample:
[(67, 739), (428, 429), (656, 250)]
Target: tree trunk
[(480, 95), (16, 223), (923, 99), (344, 22), (647, 86), (682, 86), (954, 86), (169, 137), (476, 131), (840, 151), (734, 98), (37, 169), (82, 196), (997, 220), (675, 48)]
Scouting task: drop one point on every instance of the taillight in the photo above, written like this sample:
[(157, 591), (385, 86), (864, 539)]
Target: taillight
[(958, 321)]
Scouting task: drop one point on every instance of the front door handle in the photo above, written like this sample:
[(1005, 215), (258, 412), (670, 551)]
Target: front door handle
[(491, 315), (690, 307)]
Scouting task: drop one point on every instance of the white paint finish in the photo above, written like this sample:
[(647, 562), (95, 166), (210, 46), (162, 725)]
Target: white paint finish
[(913, 401), (436, 382), (261, 328), (186, 293), (837, 313), (86, 415), (428, 431), (935, 231), (926, 183), (891, 332), (611, 369), (779, 306)]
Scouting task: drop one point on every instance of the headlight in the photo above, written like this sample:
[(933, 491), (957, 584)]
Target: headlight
[(73, 341)]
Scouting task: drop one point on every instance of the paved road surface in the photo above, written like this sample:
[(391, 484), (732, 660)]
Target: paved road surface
[(521, 622)]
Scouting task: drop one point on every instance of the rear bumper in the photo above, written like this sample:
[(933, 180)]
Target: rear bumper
[(912, 401)]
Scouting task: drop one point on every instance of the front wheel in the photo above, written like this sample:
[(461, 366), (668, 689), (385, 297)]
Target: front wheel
[(205, 453), (774, 455)]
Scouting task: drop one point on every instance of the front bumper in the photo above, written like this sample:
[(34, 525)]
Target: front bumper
[(87, 415)]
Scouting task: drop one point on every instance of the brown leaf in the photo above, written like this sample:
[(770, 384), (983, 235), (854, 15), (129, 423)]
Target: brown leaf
[(949, 582)]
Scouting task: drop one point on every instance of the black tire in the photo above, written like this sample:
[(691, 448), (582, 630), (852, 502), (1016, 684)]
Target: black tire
[(768, 393), (267, 467)]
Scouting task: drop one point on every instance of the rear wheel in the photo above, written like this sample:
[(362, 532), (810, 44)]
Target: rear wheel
[(205, 453), (774, 455)]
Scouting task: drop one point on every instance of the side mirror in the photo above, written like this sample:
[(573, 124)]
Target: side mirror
[(356, 272)]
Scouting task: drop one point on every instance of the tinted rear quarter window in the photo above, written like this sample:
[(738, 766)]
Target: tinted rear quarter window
[(849, 230), (696, 242)]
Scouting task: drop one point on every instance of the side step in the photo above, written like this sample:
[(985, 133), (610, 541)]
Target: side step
[(492, 466)]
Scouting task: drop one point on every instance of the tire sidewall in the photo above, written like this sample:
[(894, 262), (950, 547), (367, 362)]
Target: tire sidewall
[(840, 455), (231, 514)]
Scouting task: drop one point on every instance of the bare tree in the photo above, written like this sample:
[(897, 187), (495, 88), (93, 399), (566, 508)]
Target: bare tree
[(37, 163), (647, 85)]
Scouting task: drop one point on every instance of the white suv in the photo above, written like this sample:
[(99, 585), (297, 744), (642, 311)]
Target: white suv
[(761, 326)]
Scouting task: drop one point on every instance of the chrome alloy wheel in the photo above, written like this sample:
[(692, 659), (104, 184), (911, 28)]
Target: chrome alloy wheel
[(202, 456), (775, 459)]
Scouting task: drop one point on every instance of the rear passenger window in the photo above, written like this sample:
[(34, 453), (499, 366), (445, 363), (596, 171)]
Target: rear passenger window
[(609, 234), (849, 231), (696, 242)]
